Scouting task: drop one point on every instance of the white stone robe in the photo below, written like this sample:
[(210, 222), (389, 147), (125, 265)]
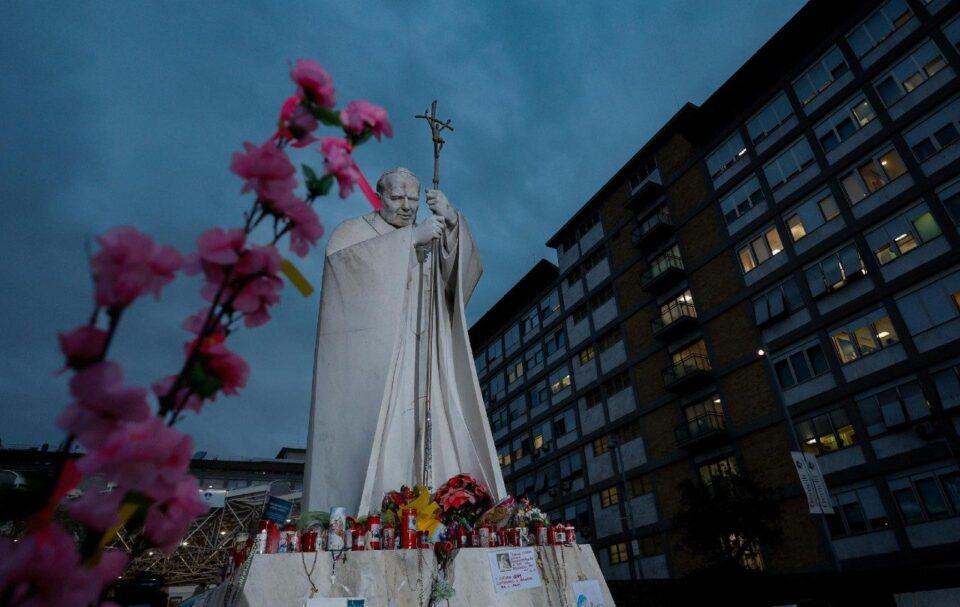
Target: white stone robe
[(364, 420)]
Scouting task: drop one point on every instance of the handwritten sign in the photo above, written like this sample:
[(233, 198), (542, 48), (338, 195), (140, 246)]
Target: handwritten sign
[(587, 593), (514, 569)]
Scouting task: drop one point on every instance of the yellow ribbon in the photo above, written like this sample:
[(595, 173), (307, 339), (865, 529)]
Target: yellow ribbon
[(297, 279)]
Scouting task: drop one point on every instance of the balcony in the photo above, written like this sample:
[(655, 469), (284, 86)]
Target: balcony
[(645, 191), (653, 229), (674, 319), (662, 272), (707, 429), (691, 369)]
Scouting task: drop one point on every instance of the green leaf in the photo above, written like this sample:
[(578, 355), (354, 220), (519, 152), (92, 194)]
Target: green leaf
[(308, 173), (356, 140), (324, 185), (201, 382), (325, 115)]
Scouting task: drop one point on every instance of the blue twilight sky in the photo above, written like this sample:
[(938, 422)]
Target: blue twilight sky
[(127, 112)]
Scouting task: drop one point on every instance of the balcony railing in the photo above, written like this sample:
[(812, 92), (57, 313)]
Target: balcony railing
[(677, 313), (658, 224), (701, 428), (687, 368), (660, 269)]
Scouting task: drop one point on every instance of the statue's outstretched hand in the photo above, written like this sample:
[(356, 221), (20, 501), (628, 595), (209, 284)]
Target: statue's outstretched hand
[(438, 203), (428, 230)]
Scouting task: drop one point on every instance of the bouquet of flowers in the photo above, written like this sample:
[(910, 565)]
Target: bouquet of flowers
[(462, 499), (394, 500), (526, 514), (499, 515)]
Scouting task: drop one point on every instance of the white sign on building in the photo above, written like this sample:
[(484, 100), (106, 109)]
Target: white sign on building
[(811, 479)]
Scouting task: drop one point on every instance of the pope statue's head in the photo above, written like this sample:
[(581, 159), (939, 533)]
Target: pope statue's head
[(399, 191)]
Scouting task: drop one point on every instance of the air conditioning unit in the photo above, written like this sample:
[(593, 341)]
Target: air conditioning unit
[(927, 430)]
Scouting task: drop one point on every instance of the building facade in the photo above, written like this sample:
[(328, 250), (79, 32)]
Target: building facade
[(776, 270)]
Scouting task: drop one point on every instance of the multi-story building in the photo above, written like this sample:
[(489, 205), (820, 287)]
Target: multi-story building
[(776, 270)]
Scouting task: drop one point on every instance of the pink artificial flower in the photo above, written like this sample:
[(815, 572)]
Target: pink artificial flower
[(314, 82), (102, 403), (184, 399), (44, 570), (230, 369), (266, 170), (296, 123), (194, 322), (130, 265), (306, 230), (257, 270), (96, 509), (145, 456), (338, 162), (82, 346), (220, 246), (361, 115), (168, 521)]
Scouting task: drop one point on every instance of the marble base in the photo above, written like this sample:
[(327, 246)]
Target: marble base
[(402, 578)]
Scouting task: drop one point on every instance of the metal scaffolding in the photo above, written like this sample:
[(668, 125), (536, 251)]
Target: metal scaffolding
[(203, 555)]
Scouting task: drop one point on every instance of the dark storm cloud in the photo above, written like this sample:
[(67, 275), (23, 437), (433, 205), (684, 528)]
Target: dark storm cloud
[(127, 113)]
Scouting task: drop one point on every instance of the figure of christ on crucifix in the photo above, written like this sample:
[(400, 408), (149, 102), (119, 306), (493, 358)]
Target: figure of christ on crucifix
[(369, 431)]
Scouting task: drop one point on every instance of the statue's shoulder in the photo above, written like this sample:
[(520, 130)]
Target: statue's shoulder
[(350, 232)]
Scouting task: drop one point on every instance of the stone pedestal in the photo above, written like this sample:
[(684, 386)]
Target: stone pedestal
[(402, 578)]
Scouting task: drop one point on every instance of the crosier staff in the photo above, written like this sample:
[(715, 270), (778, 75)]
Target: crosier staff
[(436, 127)]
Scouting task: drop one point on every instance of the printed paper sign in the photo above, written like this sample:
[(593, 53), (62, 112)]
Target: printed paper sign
[(514, 569), (818, 498), (277, 510), (213, 497), (587, 593)]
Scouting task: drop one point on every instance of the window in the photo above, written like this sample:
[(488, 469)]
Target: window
[(578, 514), (587, 354), (601, 297), (801, 365), (498, 388), (928, 496), (616, 384), (550, 305), (539, 396), (499, 419), (515, 370), (952, 32), (564, 422), (571, 466), (525, 485), (902, 234), (856, 512), (609, 340), (504, 455), (594, 259), (650, 546), (769, 119), (609, 497), (637, 486), (542, 436), (512, 337), (935, 133), (760, 249), (878, 26), (704, 416), (910, 73), (590, 220), (556, 341), (864, 336), (839, 126), (617, 553), (948, 386), (723, 467), (826, 433), (872, 174), (485, 393), (893, 407), (530, 321), (811, 214), (788, 164), (547, 479), (726, 155), (480, 361), (834, 271), (820, 76), (518, 408), (521, 447), (950, 197), (560, 379), (601, 445), (628, 432), (495, 351), (593, 398), (642, 173), (689, 359), (742, 199), (580, 314), (533, 357), (931, 306), (574, 276)]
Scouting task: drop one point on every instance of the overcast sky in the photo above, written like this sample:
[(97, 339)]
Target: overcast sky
[(127, 112)]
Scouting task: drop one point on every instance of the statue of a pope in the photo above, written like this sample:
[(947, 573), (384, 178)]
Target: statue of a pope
[(365, 415)]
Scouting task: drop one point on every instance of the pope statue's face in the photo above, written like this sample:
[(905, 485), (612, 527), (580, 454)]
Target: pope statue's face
[(401, 197)]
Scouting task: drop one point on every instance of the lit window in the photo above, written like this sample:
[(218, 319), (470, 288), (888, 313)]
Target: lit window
[(559, 379), (872, 174), (910, 73), (719, 468), (839, 126), (760, 249), (811, 214), (601, 445), (903, 233), (864, 336), (587, 354), (609, 497), (617, 553), (826, 433)]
